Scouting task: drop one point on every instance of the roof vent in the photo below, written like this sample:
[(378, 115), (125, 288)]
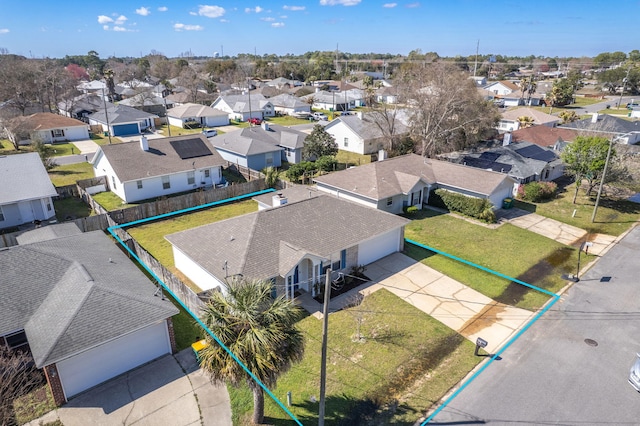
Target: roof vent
[(594, 117), (278, 200), (144, 143)]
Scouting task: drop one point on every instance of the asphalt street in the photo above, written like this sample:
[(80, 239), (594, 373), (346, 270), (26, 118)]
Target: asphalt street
[(571, 367)]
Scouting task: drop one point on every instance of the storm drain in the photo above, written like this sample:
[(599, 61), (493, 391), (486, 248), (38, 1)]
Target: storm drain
[(591, 342)]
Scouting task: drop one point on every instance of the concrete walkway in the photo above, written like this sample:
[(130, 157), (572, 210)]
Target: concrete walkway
[(170, 391), (459, 307), (558, 231), (86, 147)]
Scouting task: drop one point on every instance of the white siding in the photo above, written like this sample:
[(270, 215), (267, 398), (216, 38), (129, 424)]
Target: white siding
[(346, 196), (96, 365), (355, 143), (379, 247), (201, 277)]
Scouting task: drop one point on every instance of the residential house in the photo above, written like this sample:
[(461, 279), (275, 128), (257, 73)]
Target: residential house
[(608, 126), (509, 121), (261, 146), (343, 100), (182, 96), (200, 115), (245, 106), (27, 191), (291, 194), (81, 106), (292, 245), (282, 83), (524, 161), (153, 168), (82, 309), (148, 102), (479, 81), (547, 137), (387, 95), (502, 88), (122, 120), (359, 133), (47, 127), (290, 105), (393, 184)]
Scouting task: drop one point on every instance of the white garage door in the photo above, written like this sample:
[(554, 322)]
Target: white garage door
[(99, 364), (379, 247)]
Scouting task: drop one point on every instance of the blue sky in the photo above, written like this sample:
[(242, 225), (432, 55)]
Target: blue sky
[(450, 27)]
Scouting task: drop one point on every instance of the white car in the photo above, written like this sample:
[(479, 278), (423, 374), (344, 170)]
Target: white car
[(209, 133), (634, 374), (320, 116)]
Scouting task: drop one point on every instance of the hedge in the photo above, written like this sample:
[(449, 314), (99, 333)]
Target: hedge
[(479, 208)]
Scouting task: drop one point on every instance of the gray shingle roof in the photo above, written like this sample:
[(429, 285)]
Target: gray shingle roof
[(256, 140), (265, 243), (243, 103), (24, 177), (49, 233), (605, 123), (287, 101), (397, 175), (194, 110), (130, 162), (73, 293), (120, 114)]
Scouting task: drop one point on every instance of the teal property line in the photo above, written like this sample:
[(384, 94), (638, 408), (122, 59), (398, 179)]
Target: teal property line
[(198, 320), (555, 298)]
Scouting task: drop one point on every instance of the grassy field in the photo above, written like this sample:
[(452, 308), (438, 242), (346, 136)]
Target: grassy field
[(509, 250), (404, 356), (352, 158), (287, 120), (613, 216), (110, 201), (70, 173), (580, 102)]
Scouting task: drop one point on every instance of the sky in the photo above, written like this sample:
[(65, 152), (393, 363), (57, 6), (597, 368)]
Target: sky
[(49, 28)]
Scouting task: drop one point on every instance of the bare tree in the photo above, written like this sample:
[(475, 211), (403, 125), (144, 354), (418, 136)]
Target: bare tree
[(447, 112), (18, 376)]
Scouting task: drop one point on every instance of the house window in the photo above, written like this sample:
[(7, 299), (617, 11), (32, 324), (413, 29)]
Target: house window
[(48, 205), (17, 339), (343, 259), (139, 184), (346, 142), (269, 159), (113, 182), (1, 215), (191, 178), (207, 173), (389, 201), (57, 133), (165, 182)]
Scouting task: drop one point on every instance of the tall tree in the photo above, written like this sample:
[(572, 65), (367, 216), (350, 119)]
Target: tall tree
[(447, 111), (319, 144), (584, 159), (260, 331)]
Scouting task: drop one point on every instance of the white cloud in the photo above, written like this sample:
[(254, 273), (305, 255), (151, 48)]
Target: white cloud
[(277, 24), (103, 19), (413, 5), (120, 20), (4, 30), (163, 9), (293, 8), (105, 27), (283, 16), (339, 2), (210, 11), (119, 29), (268, 19), (144, 11), (183, 27), (224, 20), (256, 9), (390, 5)]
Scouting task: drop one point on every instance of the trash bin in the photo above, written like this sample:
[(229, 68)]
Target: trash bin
[(106, 134), (507, 203)]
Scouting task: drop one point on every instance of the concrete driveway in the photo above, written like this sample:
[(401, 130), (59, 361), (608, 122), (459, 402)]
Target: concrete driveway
[(171, 391)]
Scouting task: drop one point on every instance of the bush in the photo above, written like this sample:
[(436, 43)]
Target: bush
[(537, 191), (326, 163), (297, 170), (479, 208), (411, 210)]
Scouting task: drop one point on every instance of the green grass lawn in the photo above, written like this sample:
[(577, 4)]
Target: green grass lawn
[(352, 158), (613, 217), (405, 356), (287, 120), (70, 173), (581, 102), (110, 201), (71, 207), (176, 131), (34, 404), (151, 235), (509, 250)]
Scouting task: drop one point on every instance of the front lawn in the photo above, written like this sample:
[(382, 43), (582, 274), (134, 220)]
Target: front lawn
[(613, 217), (404, 356), (287, 120), (509, 250), (70, 173)]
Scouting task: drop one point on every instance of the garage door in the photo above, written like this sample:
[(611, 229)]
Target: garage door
[(379, 247), (126, 129), (99, 364)]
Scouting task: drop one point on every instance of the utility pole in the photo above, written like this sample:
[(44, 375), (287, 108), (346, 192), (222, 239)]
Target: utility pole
[(106, 114), (624, 85), (323, 361), (604, 174), (475, 66)]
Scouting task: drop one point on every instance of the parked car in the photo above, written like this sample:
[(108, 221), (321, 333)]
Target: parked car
[(318, 116), (632, 105), (209, 133), (346, 113), (254, 120), (634, 374)]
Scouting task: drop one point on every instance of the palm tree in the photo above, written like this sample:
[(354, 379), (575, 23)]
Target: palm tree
[(259, 330), (525, 121)]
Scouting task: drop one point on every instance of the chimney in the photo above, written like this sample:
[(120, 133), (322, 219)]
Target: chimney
[(507, 139), (279, 200), (265, 126), (594, 117), (144, 144)]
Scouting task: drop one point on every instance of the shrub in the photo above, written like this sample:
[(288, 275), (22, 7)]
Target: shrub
[(326, 163), (410, 210), (479, 208), (537, 191)]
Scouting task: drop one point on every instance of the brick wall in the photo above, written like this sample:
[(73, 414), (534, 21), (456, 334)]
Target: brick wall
[(53, 378)]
